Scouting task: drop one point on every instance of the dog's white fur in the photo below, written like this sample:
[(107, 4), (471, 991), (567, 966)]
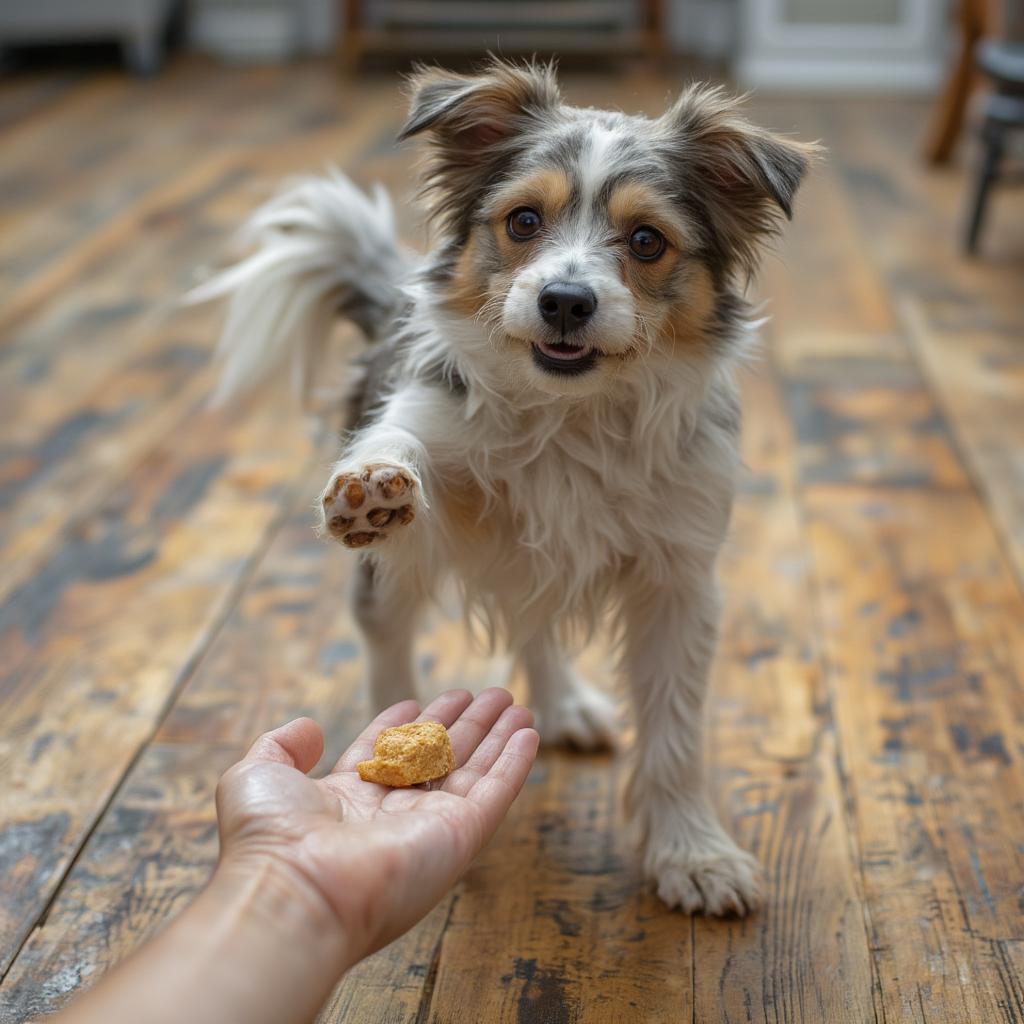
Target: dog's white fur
[(593, 508)]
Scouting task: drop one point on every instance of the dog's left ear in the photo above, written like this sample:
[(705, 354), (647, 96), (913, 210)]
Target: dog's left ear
[(747, 176), (474, 124)]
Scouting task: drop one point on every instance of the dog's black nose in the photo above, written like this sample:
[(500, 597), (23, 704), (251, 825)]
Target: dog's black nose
[(565, 305)]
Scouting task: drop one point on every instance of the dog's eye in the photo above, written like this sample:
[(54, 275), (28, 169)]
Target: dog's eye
[(646, 244), (523, 223)]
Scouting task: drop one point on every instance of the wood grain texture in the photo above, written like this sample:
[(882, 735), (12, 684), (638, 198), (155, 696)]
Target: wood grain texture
[(95, 643), (776, 762), (118, 493), (163, 598), (287, 648), (907, 571), (924, 687)]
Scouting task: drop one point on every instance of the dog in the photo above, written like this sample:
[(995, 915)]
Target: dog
[(546, 409)]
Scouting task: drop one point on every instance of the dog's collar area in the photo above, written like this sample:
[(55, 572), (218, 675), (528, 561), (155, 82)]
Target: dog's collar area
[(562, 359)]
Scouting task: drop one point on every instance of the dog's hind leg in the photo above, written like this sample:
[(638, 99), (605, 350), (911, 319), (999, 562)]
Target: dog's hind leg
[(568, 709), (386, 606)]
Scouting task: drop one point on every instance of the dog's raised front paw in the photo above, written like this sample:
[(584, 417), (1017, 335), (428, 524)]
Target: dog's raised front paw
[(719, 880), (583, 718), (365, 505)]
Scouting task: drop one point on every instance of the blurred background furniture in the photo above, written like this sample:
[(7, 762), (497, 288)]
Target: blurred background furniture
[(263, 31), (1002, 62), (506, 26), (138, 24), (973, 21), (868, 46)]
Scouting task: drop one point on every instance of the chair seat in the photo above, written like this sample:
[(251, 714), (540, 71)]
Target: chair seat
[(1003, 62), (1007, 110)]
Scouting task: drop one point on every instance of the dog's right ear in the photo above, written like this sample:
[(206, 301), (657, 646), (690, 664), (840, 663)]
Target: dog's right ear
[(473, 124), (474, 111)]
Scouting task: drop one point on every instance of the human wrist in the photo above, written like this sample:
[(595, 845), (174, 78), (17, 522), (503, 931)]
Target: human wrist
[(267, 895)]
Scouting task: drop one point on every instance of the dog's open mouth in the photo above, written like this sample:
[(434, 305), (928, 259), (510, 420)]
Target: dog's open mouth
[(562, 358)]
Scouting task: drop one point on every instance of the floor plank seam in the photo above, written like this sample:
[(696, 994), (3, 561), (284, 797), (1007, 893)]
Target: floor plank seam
[(828, 681), (427, 995), (962, 451)]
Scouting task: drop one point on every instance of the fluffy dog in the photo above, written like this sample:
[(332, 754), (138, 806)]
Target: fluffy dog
[(546, 409)]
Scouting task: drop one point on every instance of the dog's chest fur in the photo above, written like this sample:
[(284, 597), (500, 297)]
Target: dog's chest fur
[(549, 507)]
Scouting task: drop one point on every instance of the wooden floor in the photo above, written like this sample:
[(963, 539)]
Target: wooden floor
[(163, 598)]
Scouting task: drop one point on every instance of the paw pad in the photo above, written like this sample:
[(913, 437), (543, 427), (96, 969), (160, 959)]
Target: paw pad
[(364, 506)]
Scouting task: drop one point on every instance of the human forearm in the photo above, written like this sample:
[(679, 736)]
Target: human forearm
[(258, 945)]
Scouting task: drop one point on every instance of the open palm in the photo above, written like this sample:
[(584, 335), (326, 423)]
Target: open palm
[(381, 858)]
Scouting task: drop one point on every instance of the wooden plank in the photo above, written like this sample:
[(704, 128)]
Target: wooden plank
[(96, 322), (114, 372), (922, 636), (553, 922), (106, 370), (28, 144), (26, 96), (906, 567), (963, 317), (978, 377), (89, 452), (822, 280), (93, 646), (74, 263), (805, 957), (77, 204)]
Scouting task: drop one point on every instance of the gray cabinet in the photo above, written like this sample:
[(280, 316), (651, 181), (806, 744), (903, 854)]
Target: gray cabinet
[(138, 24)]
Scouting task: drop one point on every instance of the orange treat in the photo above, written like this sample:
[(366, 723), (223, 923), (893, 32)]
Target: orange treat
[(407, 755)]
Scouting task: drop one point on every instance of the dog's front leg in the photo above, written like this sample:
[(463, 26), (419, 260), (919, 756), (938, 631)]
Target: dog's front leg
[(373, 497), (671, 631), (375, 489)]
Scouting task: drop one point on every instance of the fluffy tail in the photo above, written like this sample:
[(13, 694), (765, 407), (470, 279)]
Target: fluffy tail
[(324, 249)]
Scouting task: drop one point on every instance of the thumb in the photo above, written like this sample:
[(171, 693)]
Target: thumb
[(299, 744)]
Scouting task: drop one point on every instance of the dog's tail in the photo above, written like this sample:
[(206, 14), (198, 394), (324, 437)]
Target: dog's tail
[(324, 249)]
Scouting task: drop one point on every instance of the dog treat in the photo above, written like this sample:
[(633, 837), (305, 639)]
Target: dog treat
[(407, 755)]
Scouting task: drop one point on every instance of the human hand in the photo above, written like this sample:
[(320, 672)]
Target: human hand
[(378, 858)]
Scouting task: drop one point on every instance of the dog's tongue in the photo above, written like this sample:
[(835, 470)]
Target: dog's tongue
[(562, 351)]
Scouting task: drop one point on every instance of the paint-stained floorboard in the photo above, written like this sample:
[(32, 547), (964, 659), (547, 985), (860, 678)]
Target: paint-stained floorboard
[(163, 598)]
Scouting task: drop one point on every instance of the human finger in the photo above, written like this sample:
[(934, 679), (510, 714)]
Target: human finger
[(511, 720), (475, 721), (447, 707), (494, 792)]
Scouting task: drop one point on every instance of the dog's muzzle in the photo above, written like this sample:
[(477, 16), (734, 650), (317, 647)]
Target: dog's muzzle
[(565, 306)]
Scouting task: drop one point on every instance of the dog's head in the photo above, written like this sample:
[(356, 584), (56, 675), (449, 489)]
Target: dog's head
[(585, 240)]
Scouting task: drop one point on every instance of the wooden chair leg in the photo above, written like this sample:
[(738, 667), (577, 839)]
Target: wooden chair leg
[(351, 49), (987, 174), (949, 114), (655, 29)]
